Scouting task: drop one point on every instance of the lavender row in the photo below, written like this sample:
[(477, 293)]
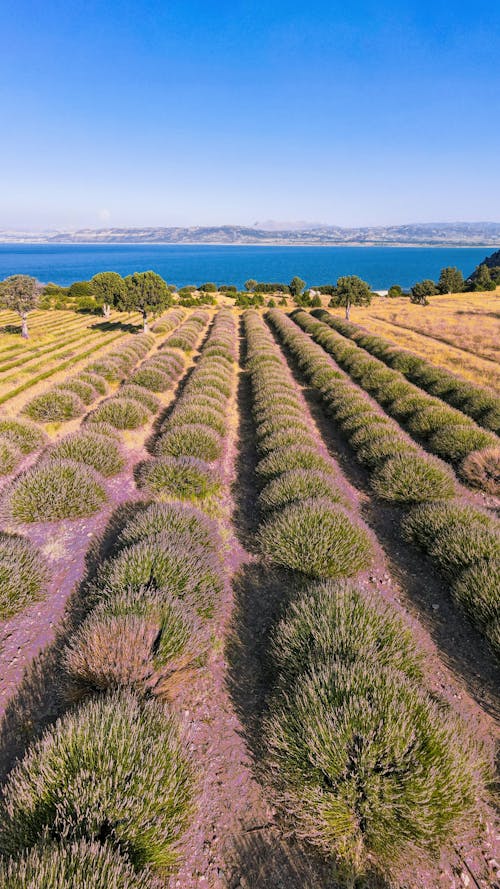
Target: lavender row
[(445, 431), (462, 541), (351, 741)]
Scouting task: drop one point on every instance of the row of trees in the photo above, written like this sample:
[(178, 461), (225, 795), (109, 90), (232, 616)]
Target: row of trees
[(451, 280), (144, 292)]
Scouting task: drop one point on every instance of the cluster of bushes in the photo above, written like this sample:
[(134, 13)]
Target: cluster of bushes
[(134, 402), (192, 436), (188, 333), (68, 479), (477, 401), (105, 795), (361, 761), (65, 401), (18, 437), (446, 431), (306, 525), (400, 472)]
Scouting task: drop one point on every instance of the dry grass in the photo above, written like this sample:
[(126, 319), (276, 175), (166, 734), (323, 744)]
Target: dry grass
[(460, 332)]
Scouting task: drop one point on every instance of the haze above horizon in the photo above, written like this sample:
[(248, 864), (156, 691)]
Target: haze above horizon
[(135, 114)]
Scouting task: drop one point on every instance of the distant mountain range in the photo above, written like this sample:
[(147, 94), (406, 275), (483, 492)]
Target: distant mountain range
[(430, 234)]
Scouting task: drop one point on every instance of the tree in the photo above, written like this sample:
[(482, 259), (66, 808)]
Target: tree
[(146, 292), (351, 291), (394, 291), (21, 294), (421, 290), (210, 287), (296, 286), (316, 301), (483, 279), (451, 280), (250, 285), (109, 289)]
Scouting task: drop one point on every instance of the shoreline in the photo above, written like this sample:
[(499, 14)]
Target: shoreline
[(350, 244)]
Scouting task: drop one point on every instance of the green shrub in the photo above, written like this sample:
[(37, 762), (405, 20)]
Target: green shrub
[(142, 395), (55, 489), (297, 485), (367, 768), (368, 432), (281, 424), (337, 621), (84, 390), (77, 865), (456, 442), (122, 413), (424, 523), (491, 420), (429, 419), (188, 412), (459, 545), (24, 435), (285, 459), (476, 589), (54, 405), (183, 478), (113, 770), (191, 440), (143, 639), (204, 381), (481, 469), (374, 453), (96, 381), (404, 407), (317, 538), (163, 562), (152, 378), (411, 478), (110, 368), (10, 456), (106, 429), (181, 520), (23, 574), (98, 451), (286, 438)]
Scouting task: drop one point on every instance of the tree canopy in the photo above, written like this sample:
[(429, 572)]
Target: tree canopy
[(21, 294), (482, 279), (296, 286), (451, 280), (394, 291), (148, 293), (422, 290), (351, 291), (110, 290)]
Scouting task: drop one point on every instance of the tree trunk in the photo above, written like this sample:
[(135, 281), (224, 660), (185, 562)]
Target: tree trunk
[(106, 311), (24, 326), (347, 310), (145, 326)]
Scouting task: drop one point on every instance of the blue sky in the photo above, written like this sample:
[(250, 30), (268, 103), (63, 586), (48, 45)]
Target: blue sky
[(172, 113)]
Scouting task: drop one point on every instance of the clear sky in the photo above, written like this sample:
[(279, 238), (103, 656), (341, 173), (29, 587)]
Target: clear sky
[(350, 112)]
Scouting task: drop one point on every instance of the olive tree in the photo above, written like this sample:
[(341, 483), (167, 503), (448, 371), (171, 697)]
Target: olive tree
[(296, 286), (351, 291), (147, 293), (421, 291), (110, 290), (21, 294), (451, 280)]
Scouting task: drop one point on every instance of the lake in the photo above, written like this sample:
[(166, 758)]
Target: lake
[(196, 264)]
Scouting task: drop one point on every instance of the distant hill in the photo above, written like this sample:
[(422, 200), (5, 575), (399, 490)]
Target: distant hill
[(431, 234)]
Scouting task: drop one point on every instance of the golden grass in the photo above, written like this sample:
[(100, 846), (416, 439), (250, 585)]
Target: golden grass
[(460, 332)]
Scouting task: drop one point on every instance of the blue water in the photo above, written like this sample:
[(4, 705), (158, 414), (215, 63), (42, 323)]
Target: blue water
[(195, 264)]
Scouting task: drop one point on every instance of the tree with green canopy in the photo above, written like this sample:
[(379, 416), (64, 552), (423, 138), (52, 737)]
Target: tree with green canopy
[(251, 284), (110, 290), (21, 294), (147, 293), (296, 286), (422, 290), (451, 280), (395, 291), (351, 291), (482, 279)]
